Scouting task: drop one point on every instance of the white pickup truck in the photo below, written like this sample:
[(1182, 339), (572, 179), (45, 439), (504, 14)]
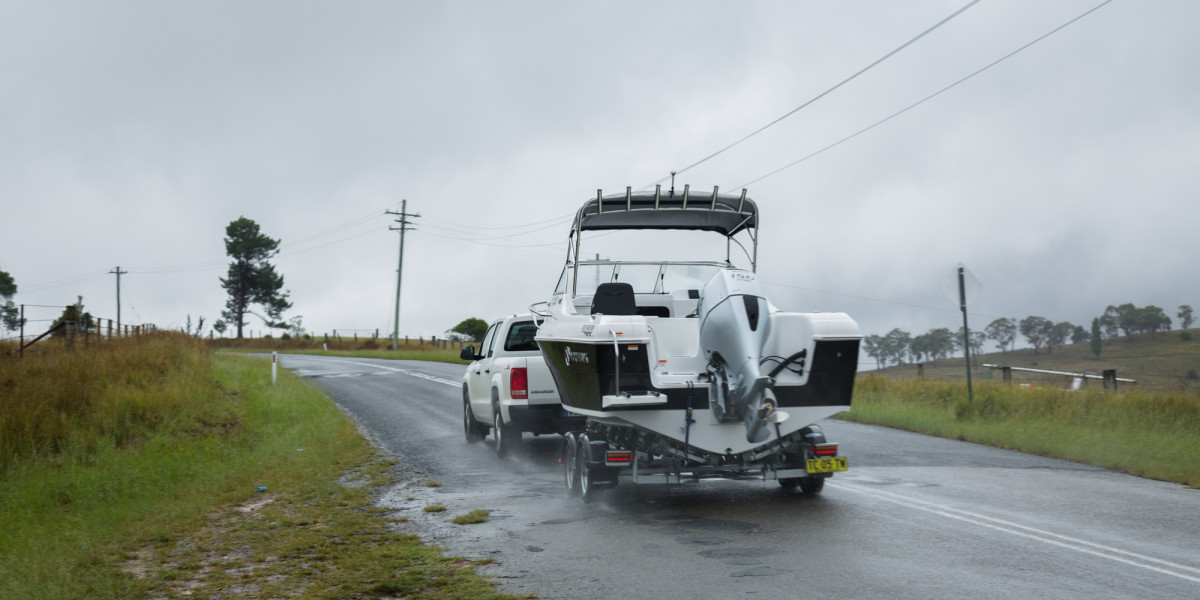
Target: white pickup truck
[(508, 389)]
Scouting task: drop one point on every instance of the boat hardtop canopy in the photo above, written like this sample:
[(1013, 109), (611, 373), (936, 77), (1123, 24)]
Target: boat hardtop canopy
[(724, 214)]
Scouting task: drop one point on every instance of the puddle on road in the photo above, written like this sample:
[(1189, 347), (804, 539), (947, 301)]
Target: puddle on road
[(761, 572), (739, 562), (884, 480), (702, 541), (566, 520), (736, 553), (720, 525)]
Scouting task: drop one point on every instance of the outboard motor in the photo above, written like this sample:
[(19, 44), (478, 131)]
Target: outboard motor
[(735, 321)]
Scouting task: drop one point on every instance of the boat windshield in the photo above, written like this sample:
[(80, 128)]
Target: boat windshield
[(645, 277)]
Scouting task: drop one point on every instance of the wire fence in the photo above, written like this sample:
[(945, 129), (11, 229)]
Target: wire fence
[(69, 325)]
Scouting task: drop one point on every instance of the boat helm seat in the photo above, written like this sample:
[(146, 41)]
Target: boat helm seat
[(614, 298)]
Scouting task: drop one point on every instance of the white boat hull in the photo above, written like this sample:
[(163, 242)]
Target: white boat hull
[(661, 371)]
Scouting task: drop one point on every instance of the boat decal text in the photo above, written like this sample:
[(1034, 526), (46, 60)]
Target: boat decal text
[(579, 357)]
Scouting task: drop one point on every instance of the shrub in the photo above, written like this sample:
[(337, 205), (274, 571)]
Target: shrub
[(1185, 336)]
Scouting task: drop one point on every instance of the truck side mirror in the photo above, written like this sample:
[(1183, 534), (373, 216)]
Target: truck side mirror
[(468, 353)]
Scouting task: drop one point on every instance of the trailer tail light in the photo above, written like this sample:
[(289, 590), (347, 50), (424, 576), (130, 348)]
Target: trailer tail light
[(825, 450), (619, 457), (518, 383)]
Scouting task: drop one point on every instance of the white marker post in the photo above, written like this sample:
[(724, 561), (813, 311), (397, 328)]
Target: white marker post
[(274, 365)]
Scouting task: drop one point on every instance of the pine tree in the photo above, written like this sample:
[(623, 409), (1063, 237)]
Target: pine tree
[(251, 279)]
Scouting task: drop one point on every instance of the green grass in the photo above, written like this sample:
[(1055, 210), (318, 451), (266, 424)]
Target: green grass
[(1155, 435), (446, 356), (147, 488), (1160, 363), (475, 516), (443, 351)]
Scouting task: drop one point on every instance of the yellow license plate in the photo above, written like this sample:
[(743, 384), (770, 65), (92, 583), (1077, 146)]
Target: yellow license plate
[(826, 465)]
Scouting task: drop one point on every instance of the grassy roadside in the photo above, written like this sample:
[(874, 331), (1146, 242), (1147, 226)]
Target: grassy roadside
[(1154, 435), (365, 348), (445, 356), (170, 507)]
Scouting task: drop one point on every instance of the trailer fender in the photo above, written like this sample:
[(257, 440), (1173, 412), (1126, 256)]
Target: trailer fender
[(594, 453)]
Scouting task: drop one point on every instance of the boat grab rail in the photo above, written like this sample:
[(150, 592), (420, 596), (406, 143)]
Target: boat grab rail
[(540, 309)]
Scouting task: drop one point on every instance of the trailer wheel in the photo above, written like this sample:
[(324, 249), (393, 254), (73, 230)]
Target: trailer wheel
[(569, 465), (812, 486), (586, 488)]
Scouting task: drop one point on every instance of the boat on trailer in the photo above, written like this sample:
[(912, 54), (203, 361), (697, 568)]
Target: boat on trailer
[(684, 369)]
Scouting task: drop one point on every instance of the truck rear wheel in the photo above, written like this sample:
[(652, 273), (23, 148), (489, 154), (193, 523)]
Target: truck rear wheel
[(471, 428), (504, 437)]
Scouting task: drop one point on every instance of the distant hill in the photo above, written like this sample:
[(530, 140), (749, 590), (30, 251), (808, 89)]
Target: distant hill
[(1159, 362)]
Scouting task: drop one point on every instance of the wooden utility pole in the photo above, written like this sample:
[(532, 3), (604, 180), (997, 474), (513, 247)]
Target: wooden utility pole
[(962, 299), (405, 225), (118, 272)]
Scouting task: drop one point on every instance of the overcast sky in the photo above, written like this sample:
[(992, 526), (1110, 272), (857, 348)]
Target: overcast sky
[(131, 133)]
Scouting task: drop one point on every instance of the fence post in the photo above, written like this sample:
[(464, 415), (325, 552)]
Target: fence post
[(1110, 379), (22, 346), (1007, 374), (920, 370)]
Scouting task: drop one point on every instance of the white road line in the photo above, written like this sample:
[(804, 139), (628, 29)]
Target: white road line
[(1046, 537), (393, 369)]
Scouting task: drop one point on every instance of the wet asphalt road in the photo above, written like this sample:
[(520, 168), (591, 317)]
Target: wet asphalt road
[(915, 517)]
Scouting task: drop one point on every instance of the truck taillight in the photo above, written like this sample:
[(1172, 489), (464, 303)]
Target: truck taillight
[(618, 457), (825, 450), (518, 383)]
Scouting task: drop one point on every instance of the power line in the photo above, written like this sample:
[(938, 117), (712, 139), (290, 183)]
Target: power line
[(68, 281), (926, 98), (208, 265), (822, 94), (556, 223), (333, 243), (880, 300), (455, 225)]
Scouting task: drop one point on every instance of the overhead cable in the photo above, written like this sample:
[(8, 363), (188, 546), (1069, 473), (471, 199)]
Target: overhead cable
[(822, 94), (456, 225), (926, 98), (555, 223)]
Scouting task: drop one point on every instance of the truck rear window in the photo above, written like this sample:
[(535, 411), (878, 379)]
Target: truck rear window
[(520, 337)]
